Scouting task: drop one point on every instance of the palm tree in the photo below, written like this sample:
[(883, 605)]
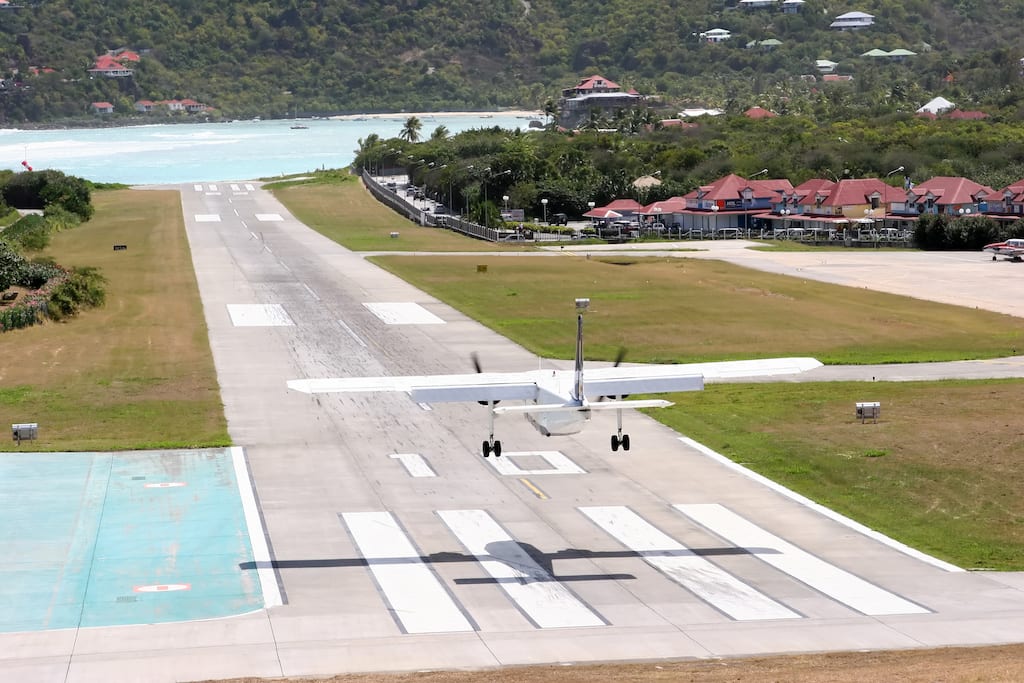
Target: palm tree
[(411, 131), (440, 133)]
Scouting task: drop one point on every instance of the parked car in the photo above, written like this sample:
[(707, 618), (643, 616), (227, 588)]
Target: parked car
[(559, 219), (440, 209)]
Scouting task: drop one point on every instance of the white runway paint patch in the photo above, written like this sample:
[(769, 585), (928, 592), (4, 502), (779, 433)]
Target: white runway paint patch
[(257, 534), (249, 187), (268, 217), (259, 315), (415, 464), (544, 601), (198, 188), (403, 314), (708, 582), (414, 593), (213, 188), (234, 187), (560, 464), (207, 218), (838, 584)]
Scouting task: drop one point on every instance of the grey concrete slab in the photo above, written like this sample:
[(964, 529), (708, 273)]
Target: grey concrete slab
[(315, 458)]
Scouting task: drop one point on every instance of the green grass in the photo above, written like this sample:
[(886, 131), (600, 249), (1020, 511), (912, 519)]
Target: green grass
[(340, 208), (136, 373), (680, 310)]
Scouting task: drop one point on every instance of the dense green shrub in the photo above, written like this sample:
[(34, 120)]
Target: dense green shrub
[(83, 288), (30, 233), (45, 189)]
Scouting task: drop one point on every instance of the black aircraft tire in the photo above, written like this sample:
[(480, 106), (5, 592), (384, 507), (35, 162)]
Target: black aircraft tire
[(625, 442), (486, 449)]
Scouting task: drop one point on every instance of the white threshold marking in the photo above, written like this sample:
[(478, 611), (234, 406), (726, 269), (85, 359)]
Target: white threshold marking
[(234, 187), (257, 534), (213, 194), (819, 508), (249, 187), (403, 313), (547, 603), (710, 583), (213, 188), (259, 315), (207, 218), (198, 188), (268, 217), (415, 464), (838, 584), (352, 333), (560, 464), (415, 595)]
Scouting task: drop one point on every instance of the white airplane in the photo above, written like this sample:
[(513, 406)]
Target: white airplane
[(558, 402), (1012, 249)]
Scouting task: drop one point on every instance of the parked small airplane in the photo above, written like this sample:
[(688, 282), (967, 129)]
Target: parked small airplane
[(1012, 249), (558, 401)]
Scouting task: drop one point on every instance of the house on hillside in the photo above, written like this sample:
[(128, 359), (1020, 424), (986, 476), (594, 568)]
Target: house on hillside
[(792, 6), (936, 106), (594, 94), (826, 66), (758, 113), (101, 108), (852, 21), (715, 35), (757, 4), (105, 65)]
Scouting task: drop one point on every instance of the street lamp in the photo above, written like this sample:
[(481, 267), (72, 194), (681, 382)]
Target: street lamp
[(544, 203), (785, 217), (895, 170), (714, 223)]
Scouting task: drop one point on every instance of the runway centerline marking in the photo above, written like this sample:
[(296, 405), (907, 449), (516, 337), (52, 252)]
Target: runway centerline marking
[(418, 600), (259, 315), (415, 464), (560, 464), (543, 600), (403, 313), (824, 577), (352, 333), (534, 489)]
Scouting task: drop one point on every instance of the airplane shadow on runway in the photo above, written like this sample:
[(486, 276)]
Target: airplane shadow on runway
[(525, 558)]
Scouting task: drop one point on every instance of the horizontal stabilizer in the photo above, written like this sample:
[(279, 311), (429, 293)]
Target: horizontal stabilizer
[(570, 408), (479, 392), (629, 405), (625, 386)]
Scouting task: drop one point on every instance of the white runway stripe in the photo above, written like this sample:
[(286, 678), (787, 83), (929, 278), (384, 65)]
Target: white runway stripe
[(249, 186), (415, 464), (234, 187), (543, 600), (708, 582), (417, 599), (198, 188), (834, 582)]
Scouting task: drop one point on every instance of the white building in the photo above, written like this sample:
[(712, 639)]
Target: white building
[(852, 21), (715, 35)]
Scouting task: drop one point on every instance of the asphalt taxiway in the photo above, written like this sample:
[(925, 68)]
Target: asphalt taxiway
[(395, 546)]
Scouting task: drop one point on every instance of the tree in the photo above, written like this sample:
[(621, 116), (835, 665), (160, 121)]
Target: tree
[(411, 130), (440, 133)]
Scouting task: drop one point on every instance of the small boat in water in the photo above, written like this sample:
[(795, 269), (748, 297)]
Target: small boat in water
[(299, 126)]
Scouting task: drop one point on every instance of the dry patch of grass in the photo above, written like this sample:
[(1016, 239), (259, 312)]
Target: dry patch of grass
[(1002, 664), (348, 214), (137, 373), (677, 309)]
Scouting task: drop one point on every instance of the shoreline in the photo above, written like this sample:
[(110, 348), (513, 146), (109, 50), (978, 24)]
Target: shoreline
[(426, 115)]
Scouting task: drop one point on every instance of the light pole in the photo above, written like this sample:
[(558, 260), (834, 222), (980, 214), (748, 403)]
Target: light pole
[(714, 223), (657, 218), (785, 215), (544, 203), (895, 170), (590, 210)]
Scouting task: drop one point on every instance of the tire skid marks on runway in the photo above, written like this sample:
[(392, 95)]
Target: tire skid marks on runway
[(544, 601), (417, 599), (708, 582), (826, 578)]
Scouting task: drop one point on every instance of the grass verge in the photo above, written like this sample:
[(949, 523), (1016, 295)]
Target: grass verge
[(137, 373), (340, 208)]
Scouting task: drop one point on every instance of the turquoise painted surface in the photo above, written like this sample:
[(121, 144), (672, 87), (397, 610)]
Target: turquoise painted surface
[(80, 533)]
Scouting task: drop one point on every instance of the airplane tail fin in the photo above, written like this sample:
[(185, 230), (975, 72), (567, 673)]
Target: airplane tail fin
[(577, 385)]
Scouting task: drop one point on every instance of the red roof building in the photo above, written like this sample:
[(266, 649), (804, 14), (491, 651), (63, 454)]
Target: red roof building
[(758, 113), (945, 194), (102, 108), (106, 65)]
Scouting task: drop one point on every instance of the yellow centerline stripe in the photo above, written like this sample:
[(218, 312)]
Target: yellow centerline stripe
[(537, 492)]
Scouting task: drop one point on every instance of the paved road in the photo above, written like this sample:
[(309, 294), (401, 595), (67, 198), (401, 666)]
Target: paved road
[(566, 553)]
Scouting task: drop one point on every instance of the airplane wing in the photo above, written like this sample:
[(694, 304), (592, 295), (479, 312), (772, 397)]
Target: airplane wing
[(484, 386), (655, 379)]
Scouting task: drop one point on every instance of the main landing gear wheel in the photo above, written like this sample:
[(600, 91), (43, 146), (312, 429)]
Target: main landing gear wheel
[(620, 441), (489, 448)]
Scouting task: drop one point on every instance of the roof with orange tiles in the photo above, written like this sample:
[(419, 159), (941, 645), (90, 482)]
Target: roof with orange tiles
[(950, 190)]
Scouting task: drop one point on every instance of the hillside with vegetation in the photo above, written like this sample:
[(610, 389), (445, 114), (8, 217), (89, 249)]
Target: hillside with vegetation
[(301, 57)]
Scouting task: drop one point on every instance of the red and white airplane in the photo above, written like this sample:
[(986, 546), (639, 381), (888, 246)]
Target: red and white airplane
[(1012, 249), (556, 403)]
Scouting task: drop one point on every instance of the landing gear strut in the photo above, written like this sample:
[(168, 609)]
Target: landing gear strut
[(491, 445), (619, 439)]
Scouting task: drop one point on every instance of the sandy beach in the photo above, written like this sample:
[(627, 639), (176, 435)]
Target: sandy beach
[(428, 115)]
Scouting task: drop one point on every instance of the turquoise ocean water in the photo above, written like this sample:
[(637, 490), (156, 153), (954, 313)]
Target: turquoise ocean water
[(240, 150)]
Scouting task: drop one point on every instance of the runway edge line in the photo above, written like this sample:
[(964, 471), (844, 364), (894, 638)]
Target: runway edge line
[(257, 534)]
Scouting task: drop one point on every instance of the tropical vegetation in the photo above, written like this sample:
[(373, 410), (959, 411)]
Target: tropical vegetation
[(303, 57)]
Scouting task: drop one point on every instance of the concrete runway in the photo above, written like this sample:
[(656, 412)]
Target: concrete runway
[(397, 547)]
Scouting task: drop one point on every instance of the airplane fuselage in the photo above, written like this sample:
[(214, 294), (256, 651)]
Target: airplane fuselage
[(559, 424)]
